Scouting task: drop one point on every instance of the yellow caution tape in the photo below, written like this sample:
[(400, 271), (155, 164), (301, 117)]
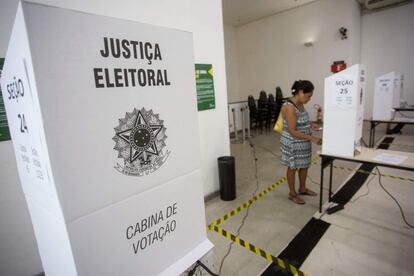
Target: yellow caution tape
[(252, 248), (246, 204), (249, 202)]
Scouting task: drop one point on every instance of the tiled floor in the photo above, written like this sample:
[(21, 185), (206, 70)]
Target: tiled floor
[(368, 237)]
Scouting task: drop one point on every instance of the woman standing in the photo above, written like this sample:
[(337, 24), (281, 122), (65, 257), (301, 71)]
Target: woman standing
[(296, 138)]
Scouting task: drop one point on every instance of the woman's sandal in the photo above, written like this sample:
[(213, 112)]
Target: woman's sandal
[(308, 192), (296, 199)]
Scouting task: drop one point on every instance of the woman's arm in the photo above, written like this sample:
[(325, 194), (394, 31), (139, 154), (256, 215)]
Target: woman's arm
[(289, 113)]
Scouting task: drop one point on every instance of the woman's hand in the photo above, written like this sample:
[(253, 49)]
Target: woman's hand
[(316, 140), (316, 126)]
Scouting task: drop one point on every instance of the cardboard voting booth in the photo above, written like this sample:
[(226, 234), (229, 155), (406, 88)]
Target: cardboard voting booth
[(103, 119), (343, 116), (387, 95), (398, 98)]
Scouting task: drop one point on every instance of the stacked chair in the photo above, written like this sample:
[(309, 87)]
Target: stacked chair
[(271, 111), (252, 111), (266, 112), (262, 109), (279, 101)]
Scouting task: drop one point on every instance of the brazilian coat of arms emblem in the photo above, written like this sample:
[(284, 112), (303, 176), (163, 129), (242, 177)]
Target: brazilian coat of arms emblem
[(140, 143)]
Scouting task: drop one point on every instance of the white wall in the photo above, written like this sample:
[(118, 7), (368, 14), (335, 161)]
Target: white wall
[(271, 51), (206, 24), (18, 252), (388, 45), (232, 64)]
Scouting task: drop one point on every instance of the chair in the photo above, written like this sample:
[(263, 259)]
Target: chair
[(252, 111), (271, 111), (262, 102), (262, 109), (279, 101)]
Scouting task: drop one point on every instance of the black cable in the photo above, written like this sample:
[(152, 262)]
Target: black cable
[(247, 210), (366, 193), (193, 270), (316, 183), (398, 204), (269, 151), (324, 212), (206, 268)]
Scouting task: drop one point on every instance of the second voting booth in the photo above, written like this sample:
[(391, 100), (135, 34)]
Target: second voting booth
[(387, 95), (103, 119)]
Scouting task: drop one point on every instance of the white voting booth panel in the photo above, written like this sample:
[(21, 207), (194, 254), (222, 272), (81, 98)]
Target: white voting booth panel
[(387, 95), (398, 94), (343, 116), (104, 125)]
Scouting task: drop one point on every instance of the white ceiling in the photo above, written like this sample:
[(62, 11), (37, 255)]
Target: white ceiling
[(239, 12)]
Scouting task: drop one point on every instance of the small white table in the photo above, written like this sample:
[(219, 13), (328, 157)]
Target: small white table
[(374, 124), (366, 156)]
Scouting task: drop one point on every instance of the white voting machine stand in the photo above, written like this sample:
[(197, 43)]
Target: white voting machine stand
[(103, 119), (387, 95), (343, 116)]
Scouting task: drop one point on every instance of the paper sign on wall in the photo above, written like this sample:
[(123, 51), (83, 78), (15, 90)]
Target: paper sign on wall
[(205, 87)]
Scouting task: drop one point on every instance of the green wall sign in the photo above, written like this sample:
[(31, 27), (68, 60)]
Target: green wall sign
[(4, 127), (205, 87)]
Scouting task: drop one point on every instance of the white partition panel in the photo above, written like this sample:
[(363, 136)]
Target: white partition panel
[(343, 116), (104, 125)]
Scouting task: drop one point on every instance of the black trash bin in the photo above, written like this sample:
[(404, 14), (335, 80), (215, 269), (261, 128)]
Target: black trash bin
[(227, 178)]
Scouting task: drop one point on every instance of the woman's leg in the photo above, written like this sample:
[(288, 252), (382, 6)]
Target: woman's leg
[(290, 174), (303, 173)]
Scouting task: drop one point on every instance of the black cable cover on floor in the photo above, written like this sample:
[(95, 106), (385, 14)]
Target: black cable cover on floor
[(387, 140), (302, 245), (385, 144), (344, 195)]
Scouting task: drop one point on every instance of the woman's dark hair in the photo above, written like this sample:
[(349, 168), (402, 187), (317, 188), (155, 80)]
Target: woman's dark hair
[(304, 85)]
